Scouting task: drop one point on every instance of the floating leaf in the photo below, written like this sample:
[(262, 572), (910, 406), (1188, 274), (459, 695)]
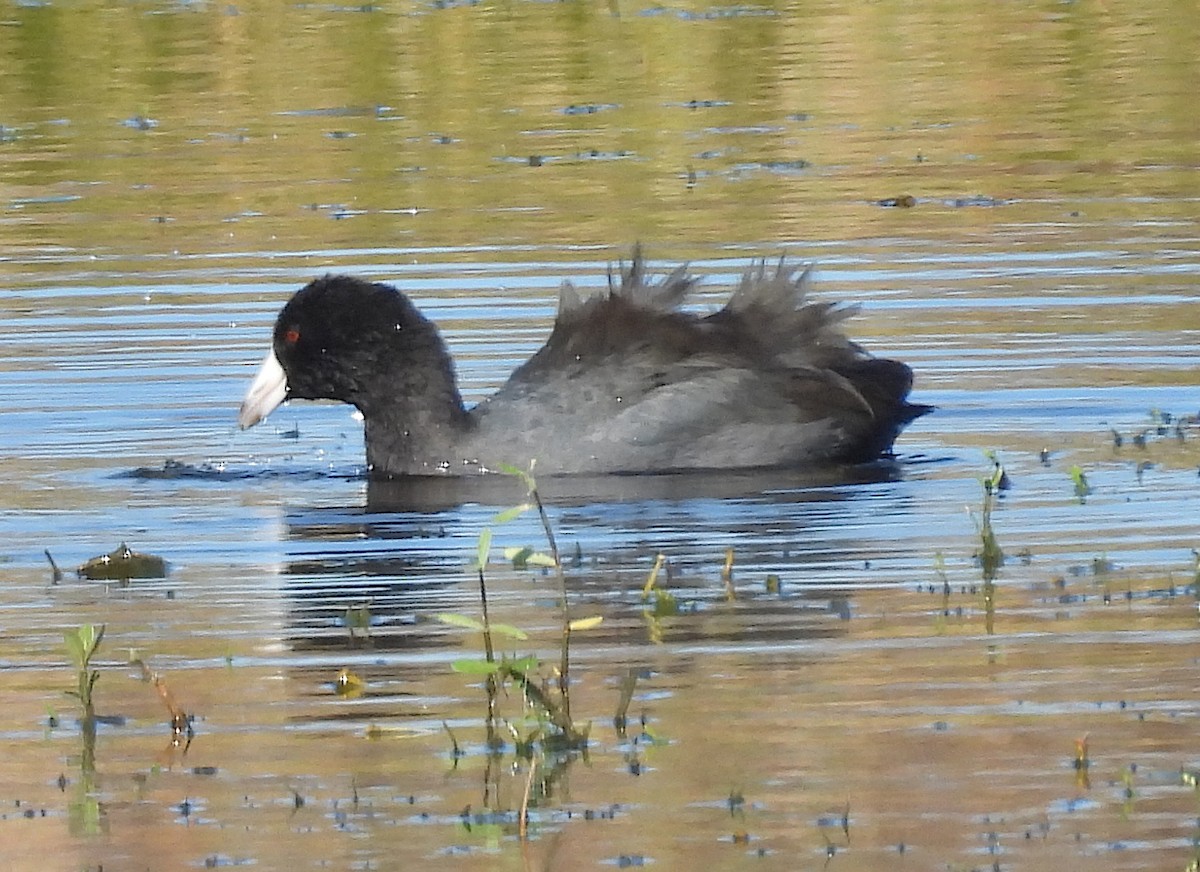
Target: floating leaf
[(586, 623)]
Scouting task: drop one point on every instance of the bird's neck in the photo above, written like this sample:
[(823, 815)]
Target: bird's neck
[(417, 432)]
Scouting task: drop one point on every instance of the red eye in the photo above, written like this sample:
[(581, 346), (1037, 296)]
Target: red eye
[(292, 336)]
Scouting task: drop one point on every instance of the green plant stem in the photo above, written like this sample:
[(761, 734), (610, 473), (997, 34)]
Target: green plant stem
[(564, 665), (491, 683), (489, 650)]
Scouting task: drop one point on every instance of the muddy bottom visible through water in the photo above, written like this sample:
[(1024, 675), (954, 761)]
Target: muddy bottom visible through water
[(893, 666)]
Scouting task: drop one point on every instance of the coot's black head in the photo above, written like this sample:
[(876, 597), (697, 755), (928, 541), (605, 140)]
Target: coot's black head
[(342, 338)]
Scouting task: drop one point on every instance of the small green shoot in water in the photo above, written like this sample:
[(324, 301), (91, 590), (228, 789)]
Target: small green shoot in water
[(664, 605), (990, 555), (1082, 488), (357, 619), (628, 685), (85, 812), (998, 480), (81, 647), (551, 709), (727, 575)]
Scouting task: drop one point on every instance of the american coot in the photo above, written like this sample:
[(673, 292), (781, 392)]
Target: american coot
[(626, 382)]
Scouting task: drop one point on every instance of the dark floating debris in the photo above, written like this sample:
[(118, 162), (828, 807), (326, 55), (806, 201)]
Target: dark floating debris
[(123, 564), (586, 108), (904, 201), (173, 470)]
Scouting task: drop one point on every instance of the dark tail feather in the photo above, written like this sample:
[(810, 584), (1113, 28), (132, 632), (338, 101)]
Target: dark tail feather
[(884, 384)]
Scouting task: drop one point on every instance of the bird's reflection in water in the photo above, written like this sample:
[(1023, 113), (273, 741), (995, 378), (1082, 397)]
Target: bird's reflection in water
[(372, 575)]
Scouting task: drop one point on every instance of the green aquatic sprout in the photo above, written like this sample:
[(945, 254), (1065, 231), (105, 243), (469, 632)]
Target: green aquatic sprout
[(550, 706), (357, 619), (1082, 488), (569, 625), (86, 814), (998, 480), (628, 686), (990, 555), (658, 602), (81, 647)]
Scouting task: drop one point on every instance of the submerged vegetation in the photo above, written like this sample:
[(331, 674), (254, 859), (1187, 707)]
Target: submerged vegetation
[(545, 730)]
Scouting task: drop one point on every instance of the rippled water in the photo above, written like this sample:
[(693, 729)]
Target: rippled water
[(856, 695)]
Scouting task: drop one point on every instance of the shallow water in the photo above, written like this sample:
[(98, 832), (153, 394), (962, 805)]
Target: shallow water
[(856, 696)]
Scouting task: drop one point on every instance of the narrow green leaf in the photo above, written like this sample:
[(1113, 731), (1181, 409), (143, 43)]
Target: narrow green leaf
[(484, 547), (474, 667), (586, 623), (511, 514), (509, 631), (74, 648), (456, 620), (525, 476)]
